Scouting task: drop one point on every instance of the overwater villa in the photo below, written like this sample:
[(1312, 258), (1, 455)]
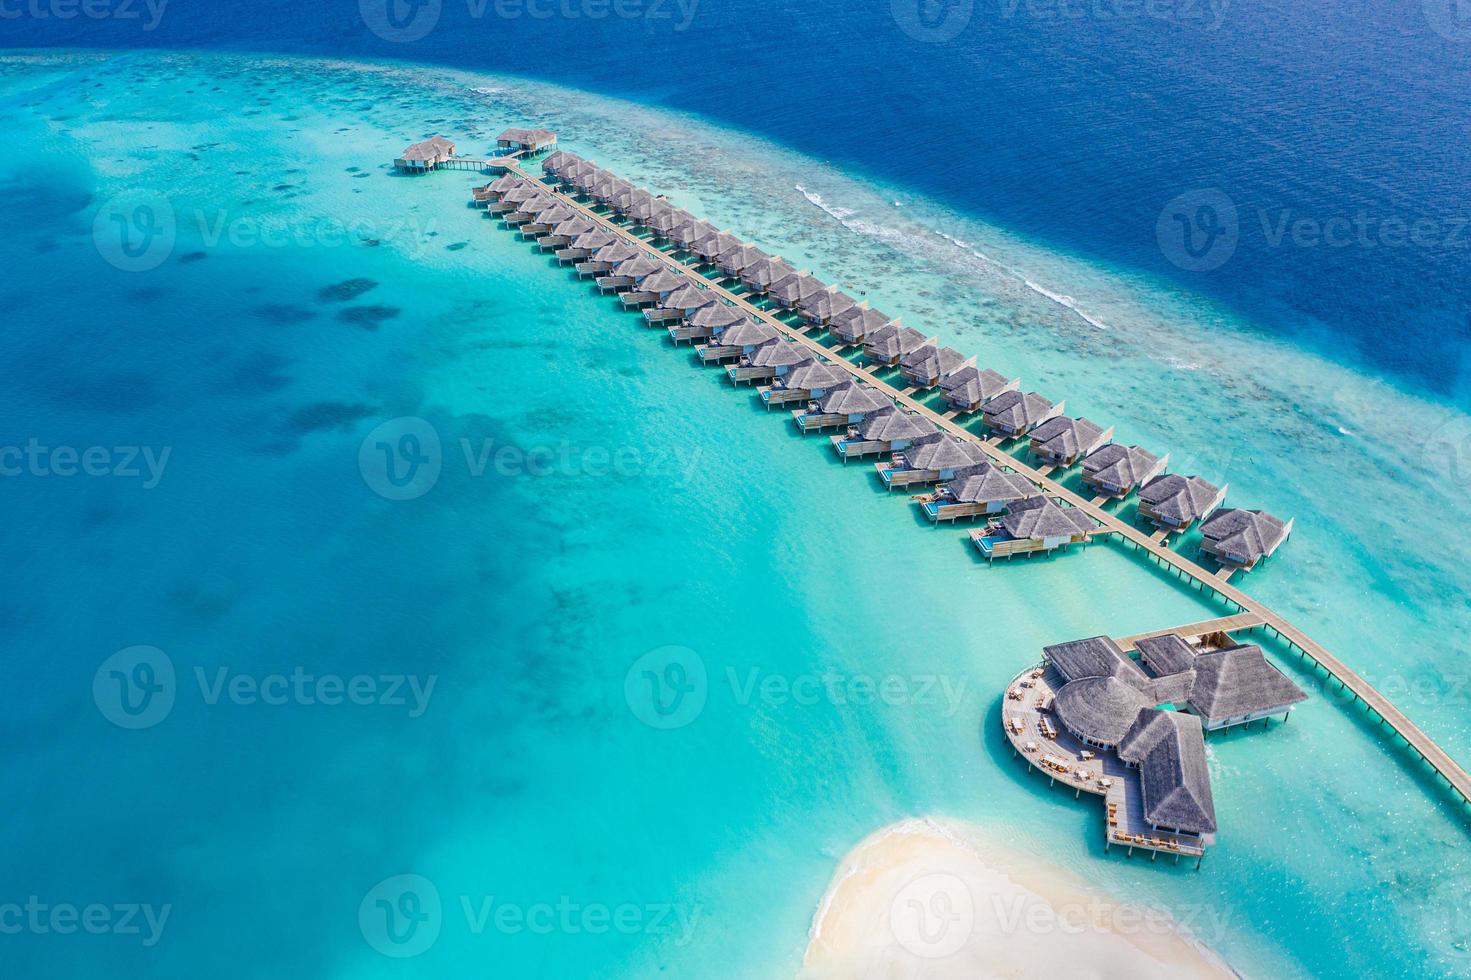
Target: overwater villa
[(625, 274), (885, 346), (526, 140), (969, 388), (712, 248), (563, 232), (738, 260), (804, 383), (487, 194), (663, 223), (548, 219), (1225, 687), (820, 308), (585, 178), (646, 207), (654, 288), (796, 289), (428, 154), (510, 199), (930, 459), (707, 322), (978, 491), (771, 360), (884, 431), (1062, 441), (679, 304), (1173, 502), (1031, 526), (687, 234), (855, 323), (737, 338), (557, 161), (759, 275), (1012, 413), (1241, 538), (1115, 470), (585, 245), (599, 262), (924, 366), (841, 406)]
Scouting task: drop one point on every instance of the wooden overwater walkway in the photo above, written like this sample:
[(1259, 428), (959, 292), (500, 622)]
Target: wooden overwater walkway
[(1153, 546)]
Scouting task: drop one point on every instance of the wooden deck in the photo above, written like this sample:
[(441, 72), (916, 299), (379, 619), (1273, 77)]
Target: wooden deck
[(1423, 746), (1049, 748)]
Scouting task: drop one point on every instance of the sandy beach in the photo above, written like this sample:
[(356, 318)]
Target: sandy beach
[(929, 898)]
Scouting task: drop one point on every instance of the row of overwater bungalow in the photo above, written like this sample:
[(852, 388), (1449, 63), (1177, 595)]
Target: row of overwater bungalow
[(1021, 518)]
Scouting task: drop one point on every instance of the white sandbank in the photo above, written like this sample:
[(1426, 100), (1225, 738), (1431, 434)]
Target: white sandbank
[(935, 898)]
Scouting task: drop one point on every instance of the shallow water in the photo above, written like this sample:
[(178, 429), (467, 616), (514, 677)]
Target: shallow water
[(599, 500)]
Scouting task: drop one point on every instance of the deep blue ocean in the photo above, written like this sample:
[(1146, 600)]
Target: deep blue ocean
[(1335, 128)]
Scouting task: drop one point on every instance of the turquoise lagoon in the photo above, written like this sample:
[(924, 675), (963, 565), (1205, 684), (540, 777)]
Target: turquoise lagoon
[(599, 498)]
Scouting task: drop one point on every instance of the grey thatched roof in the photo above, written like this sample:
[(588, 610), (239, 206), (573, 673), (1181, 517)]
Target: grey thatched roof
[(718, 244), (779, 353), (826, 304), (1180, 498), (1249, 533), (858, 321), (505, 183), (688, 297), (615, 251), (764, 272), (638, 267), (796, 288), (1168, 654), (572, 227), (585, 177), (557, 160), (526, 136), (556, 215), (745, 332), (523, 192), (973, 386), (1239, 681), (1066, 437), (990, 484), (930, 360), (1094, 656), (433, 149), (664, 281), (1041, 517), (644, 210), (1169, 749), (817, 375), (666, 221), (718, 316), (739, 259), (542, 203), (1101, 709), (597, 238), (890, 341), (1174, 688), (893, 424), (1016, 409), (1123, 466), (942, 451), (853, 399)]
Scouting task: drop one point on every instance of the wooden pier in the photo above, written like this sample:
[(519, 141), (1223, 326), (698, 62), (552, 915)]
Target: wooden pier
[(1216, 585)]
